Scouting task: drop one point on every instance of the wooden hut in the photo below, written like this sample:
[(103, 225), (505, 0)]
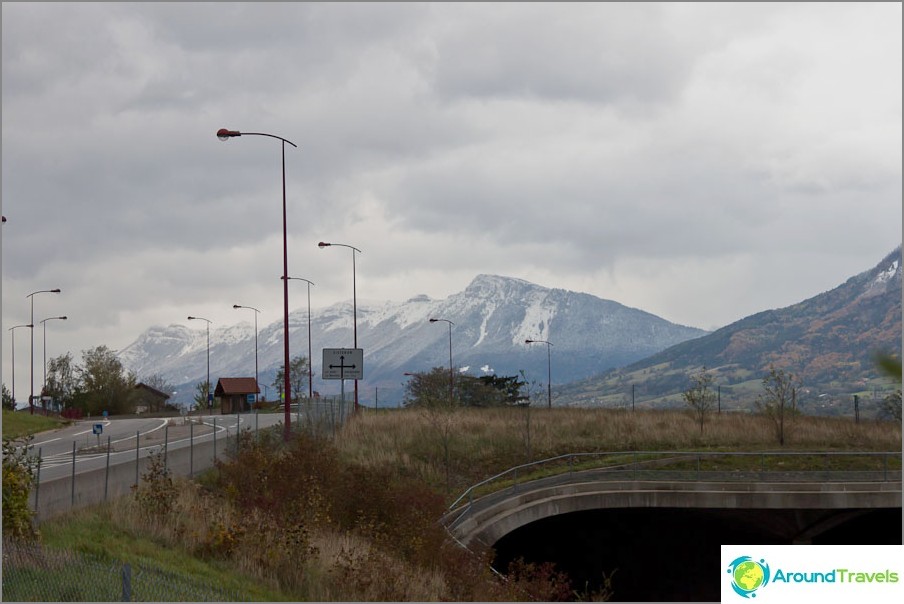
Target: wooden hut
[(235, 395)]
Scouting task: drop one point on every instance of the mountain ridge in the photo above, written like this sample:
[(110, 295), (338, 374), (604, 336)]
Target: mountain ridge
[(492, 317), (829, 341)]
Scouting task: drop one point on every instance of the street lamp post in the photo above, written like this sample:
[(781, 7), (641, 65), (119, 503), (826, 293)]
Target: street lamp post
[(12, 331), (256, 312), (224, 134), (44, 329), (322, 245), (310, 359), (207, 386), (548, 369), (451, 374), (31, 395)]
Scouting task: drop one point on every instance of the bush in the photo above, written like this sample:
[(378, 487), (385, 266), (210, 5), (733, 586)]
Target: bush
[(18, 478)]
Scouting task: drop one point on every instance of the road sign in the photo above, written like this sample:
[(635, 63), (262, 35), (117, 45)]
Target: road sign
[(343, 364), (98, 428)]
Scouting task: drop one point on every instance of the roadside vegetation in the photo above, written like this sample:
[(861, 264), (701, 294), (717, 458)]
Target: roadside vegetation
[(17, 424), (354, 517)]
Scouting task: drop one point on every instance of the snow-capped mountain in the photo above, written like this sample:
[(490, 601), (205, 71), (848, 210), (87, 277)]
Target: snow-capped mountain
[(491, 319)]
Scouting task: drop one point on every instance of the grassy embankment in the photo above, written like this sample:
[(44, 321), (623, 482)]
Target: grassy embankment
[(354, 518), (18, 423)]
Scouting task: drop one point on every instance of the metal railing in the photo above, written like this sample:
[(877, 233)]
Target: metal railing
[(761, 466)]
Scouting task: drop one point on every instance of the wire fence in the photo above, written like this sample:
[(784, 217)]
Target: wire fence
[(200, 449), (35, 574)]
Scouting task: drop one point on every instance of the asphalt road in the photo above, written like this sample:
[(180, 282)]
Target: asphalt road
[(90, 450)]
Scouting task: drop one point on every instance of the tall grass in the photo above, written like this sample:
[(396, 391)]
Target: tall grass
[(354, 518), (487, 441)]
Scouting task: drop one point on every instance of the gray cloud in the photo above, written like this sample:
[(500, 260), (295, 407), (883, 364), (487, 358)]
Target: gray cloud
[(699, 161)]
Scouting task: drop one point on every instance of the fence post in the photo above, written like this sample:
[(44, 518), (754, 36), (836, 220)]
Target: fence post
[(214, 440), (191, 450), (126, 582), (165, 445), (107, 472), (72, 502), (137, 436), (38, 481)]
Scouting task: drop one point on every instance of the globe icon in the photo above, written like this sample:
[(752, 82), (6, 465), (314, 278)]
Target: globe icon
[(748, 575)]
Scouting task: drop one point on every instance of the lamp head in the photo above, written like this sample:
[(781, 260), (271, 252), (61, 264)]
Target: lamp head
[(55, 291), (434, 320), (323, 244), (224, 135), (190, 318), (64, 317), (236, 306), (528, 341)]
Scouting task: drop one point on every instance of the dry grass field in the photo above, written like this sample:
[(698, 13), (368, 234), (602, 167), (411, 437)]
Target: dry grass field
[(354, 517)]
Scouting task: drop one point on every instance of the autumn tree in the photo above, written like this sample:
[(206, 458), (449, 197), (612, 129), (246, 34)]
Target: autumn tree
[(159, 383), (778, 402), (299, 368), (700, 397)]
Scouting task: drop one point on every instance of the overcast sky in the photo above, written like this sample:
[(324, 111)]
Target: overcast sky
[(702, 162)]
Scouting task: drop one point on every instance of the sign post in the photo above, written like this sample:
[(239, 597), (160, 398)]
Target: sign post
[(98, 429), (343, 364)]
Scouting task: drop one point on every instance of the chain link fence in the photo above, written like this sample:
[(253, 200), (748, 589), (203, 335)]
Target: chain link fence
[(35, 574)]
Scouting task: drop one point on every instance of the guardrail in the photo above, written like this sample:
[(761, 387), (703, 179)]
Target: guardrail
[(761, 466)]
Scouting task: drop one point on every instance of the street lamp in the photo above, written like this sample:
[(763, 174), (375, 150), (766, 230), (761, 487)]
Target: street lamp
[(322, 245), (44, 329), (256, 312), (207, 385), (548, 368), (451, 378), (224, 135), (13, 349), (31, 395), (310, 360)]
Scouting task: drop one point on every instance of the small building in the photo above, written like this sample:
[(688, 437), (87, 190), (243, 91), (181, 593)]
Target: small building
[(149, 400), (235, 395)]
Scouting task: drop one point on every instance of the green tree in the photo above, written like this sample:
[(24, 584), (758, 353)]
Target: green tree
[(778, 401), (700, 397), (200, 400), (427, 388), (499, 390), (63, 380), (105, 383), (8, 402), (298, 377), (891, 366)]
